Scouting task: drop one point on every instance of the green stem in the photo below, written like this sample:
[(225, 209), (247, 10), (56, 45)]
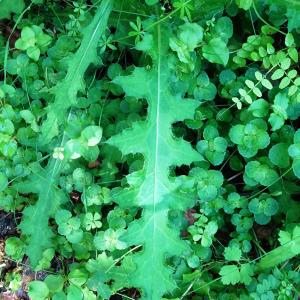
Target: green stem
[(264, 21)]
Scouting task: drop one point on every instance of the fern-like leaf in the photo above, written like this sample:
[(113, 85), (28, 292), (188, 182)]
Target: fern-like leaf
[(153, 189), (44, 180)]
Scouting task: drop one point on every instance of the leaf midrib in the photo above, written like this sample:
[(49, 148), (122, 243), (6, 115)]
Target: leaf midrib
[(155, 179), (91, 39)]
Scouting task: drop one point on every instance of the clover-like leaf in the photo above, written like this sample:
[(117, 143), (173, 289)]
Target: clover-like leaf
[(110, 240), (258, 173), (33, 40), (213, 147), (208, 183), (263, 209), (205, 89), (234, 201), (92, 221), (250, 137), (243, 221), (69, 226)]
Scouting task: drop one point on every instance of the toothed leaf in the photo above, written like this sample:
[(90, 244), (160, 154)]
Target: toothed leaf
[(156, 193)]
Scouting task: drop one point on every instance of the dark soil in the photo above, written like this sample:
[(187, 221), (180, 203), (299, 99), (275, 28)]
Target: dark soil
[(8, 225)]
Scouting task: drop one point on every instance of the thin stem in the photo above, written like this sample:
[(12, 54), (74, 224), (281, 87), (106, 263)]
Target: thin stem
[(265, 188), (119, 259), (264, 21)]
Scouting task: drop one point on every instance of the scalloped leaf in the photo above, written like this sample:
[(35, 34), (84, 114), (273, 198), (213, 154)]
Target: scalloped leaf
[(156, 192)]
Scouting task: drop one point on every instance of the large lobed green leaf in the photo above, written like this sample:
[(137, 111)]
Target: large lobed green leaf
[(44, 180), (152, 189)]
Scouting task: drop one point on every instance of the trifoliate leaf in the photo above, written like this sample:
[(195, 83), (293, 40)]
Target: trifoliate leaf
[(250, 137), (110, 240), (263, 209), (208, 183), (259, 173)]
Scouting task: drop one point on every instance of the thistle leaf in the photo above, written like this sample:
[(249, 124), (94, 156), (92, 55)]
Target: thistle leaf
[(66, 91), (157, 192), (44, 180), (35, 217)]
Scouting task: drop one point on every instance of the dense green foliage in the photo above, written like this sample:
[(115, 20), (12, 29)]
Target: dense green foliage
[(152, 147)]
